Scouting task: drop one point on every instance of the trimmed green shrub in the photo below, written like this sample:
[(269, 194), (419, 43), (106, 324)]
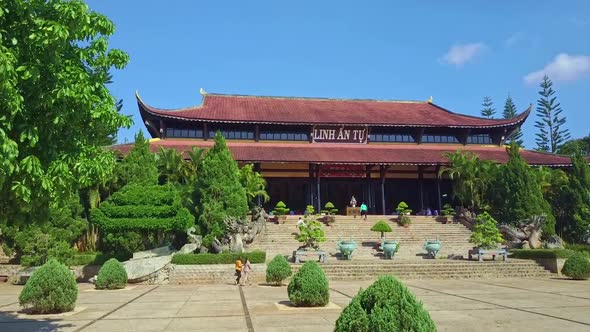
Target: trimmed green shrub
[(584, 248), (309, 287), (329, 208), (577, 267), (353, 318), (310, 209), (404, 220), (153, 195), (381, 226), (447, 211), (485, 233), (112, 275), (277, 270), (223, 258), (403, 208), (96, 258), (541, 253), (179, 222), (280, 209), (311, 234), (123, 243), (51, 289), (389, 306)]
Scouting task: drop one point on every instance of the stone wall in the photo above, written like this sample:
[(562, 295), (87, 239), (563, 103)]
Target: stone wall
[(212, 274), (82, 273)]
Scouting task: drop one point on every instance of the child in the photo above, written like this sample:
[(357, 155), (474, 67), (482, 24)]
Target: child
[(238, 268)]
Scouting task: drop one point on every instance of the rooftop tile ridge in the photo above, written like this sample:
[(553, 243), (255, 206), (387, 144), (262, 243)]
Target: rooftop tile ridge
[(514, 119), (318, 98), (169, 110)]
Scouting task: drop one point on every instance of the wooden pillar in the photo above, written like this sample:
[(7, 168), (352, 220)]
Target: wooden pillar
[(205, 132), (421, 184), (438, 188), (258, 197), (319, 202), (257, 133), (382, 172), (368, 187)]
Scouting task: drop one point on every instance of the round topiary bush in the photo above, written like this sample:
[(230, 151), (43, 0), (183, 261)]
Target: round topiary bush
[(577, 267), (112, 275), (381, 226), (386, 305), (51, 289), (309, 287), (278, 270)]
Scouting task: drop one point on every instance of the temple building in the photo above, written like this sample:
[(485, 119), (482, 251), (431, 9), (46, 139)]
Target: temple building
[(317, 150)]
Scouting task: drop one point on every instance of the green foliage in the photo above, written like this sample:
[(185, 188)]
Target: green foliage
[(180, 222), (403, 208), (309, 287), (51, 289), (580, 145), (277, 270), (583, 248), (138, 195), (541, 253), (472, 178), (448, 210), (329, 208), (112, 275), (510, 112), (254, 184), (96, 258), (388, 306), (123, 243), (311, 234), (255, 257), (485, 233), (139, 166), (57, 111), (280, 209), (404, 220), (310, 210), (488, 111), (173, 169), (518, 194), (219, 191), (381, 226), (353, 318), (550, 122), (577, 210), (577, 267)]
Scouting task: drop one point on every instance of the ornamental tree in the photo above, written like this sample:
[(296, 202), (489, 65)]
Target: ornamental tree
[(551, 135), (311, 234), (219, 191), (508, 113), (381, 226), (486, 234), (57, 111)]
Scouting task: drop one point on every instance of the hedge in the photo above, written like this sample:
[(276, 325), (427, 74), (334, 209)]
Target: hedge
[(309, 287), (585, 248), (145, 195), (139, 211), (182, 221), (112, 275), (577, 267), (541, 253), (96, 258), (223, 258)]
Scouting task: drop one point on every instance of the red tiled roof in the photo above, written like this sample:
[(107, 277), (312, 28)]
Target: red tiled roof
[(400, 154), (290, 110)]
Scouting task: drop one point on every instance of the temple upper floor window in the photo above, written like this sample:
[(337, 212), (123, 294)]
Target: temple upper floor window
[(383, 137), (479, 139), (428, 138), (184, 133), (268, 135), (233, 134)]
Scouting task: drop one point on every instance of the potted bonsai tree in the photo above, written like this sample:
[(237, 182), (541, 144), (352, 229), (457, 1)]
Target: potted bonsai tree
[(311, 235), (383, 227), (485, 235), (447, 213), (280, 211), (404, 211), (329, 211)]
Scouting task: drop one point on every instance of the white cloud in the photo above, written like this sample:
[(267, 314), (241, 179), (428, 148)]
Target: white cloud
[(514, 38), (564, 67), (460, 54)]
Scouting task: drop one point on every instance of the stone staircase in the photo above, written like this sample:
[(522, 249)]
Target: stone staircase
[(280, 238), (432, 269)]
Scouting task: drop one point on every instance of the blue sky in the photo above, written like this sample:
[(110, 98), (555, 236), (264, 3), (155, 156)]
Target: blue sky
[(456, 51)]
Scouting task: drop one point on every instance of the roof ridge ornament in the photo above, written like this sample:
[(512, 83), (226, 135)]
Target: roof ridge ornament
[(430, 99), (202, 92)]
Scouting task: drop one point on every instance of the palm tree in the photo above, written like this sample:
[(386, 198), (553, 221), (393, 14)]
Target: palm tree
[(254, 184), (171, 166)]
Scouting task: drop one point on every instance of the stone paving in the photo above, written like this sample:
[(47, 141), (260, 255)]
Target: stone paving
[(455, 305)]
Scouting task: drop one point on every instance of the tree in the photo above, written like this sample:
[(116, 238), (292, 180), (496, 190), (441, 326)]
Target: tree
[(219, 191), (508, 113), (570, 147), (488, 111), (254, 184), (550, 135), (57, 110), (139, 166), (579, 198), (517, 194)]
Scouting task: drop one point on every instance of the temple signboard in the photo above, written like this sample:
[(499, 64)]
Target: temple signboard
[(341, 134)]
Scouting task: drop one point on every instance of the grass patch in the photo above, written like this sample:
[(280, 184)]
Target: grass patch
[(223, 258)]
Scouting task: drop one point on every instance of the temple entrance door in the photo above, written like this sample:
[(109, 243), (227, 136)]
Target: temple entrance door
[(339, 191)]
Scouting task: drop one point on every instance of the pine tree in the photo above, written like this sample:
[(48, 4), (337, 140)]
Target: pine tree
[(551, 135), (139, 167), (488, 111), (220, 193), (518, 193), (510, 112)]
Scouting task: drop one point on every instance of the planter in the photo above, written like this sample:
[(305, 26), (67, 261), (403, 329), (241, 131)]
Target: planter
[(389, 248), (3, 278), (346, 248), (432, 247)]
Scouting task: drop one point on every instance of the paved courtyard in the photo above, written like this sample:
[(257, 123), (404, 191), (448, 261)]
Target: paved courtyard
[(455, 305)]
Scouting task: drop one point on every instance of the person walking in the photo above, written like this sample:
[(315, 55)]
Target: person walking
[(364, 210), (246, 268), (238, 268)]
